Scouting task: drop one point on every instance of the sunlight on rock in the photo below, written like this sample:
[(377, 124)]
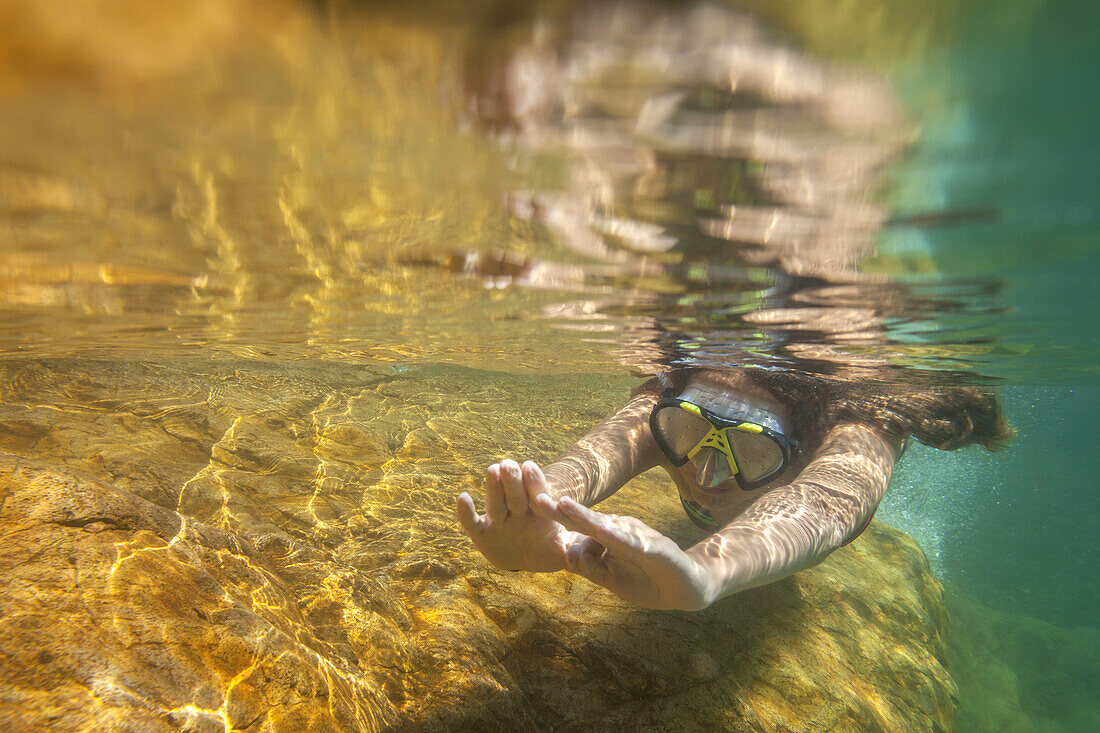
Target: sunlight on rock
[(265, 610)]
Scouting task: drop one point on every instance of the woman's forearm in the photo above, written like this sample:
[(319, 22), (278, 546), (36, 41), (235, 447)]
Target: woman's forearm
[(613, 452), (798, 525)]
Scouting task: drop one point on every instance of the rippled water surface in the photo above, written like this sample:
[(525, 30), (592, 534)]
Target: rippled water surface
[(310, 195), (364, 251)]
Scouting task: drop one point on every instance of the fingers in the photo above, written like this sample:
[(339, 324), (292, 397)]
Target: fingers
[(545, 506), (515, 496), (602, 527), (467, 515), (583, 558), (508, 489), (495, 507), (534, 481)]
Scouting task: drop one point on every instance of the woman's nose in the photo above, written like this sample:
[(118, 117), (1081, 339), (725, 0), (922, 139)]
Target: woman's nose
[(706, 463)]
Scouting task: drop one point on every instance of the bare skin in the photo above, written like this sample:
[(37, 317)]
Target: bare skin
[(540, 521)]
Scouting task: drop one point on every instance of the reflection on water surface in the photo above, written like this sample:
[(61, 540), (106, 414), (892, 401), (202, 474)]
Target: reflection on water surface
[(281, 201)]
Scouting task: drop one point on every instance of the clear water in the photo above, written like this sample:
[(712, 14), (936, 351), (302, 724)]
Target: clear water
[(1008, 111), (301, 205)]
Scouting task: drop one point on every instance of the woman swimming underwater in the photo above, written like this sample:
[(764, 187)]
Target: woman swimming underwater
[(779, 468)]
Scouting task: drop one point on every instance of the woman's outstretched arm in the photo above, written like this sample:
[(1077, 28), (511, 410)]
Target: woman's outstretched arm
[(612, 453), (789, 528), (798, 525)]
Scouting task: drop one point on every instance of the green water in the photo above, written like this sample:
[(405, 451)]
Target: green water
[(261, 234), (1008, 110)]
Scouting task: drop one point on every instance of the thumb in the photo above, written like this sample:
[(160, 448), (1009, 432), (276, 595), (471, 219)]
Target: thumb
[(467, 514), (585, 558)]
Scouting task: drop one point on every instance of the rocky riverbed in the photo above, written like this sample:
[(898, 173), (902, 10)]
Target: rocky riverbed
[(207, 553)]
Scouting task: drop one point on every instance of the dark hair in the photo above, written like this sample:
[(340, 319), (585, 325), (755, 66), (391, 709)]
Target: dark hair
[(942, 417)]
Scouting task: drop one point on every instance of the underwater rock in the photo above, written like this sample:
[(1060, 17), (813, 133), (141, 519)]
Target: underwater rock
[(242, 547), (1020, 674), (120, 612)]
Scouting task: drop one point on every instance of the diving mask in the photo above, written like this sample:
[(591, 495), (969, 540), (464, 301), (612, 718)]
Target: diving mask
[(724, 436)]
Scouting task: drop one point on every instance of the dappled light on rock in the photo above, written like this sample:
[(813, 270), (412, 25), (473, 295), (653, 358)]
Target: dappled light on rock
[(310, 575)]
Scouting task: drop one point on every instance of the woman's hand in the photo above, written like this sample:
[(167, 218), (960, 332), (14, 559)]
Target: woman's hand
[(629, 558), (509, 534)]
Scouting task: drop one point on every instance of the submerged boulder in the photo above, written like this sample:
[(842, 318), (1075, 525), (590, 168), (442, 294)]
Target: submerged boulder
[(119, 613), (282, 554), (1018, 674)]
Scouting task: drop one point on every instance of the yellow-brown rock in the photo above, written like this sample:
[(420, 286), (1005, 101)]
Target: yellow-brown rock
[(229, 565)]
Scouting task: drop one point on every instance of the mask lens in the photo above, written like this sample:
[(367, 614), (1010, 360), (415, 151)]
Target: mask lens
[(758, 456), (680, 430)]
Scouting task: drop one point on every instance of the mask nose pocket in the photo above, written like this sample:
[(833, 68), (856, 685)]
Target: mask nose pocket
[(711, 467)]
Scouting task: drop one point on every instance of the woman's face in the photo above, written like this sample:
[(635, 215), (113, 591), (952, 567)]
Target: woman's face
[(695, 478)]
